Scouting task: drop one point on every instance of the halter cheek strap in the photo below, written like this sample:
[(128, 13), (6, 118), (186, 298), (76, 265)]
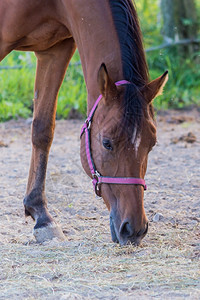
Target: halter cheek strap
[(97, 178)]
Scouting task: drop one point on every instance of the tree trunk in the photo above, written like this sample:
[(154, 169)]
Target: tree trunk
[(180, 22)]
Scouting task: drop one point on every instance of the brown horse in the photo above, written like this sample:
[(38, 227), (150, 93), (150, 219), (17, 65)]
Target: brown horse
[(122, 132)]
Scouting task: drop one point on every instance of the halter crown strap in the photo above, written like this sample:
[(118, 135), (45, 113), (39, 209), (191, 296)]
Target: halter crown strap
[(97, 178)]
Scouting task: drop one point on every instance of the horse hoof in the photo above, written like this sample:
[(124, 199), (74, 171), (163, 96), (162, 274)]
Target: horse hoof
[(49, 232)]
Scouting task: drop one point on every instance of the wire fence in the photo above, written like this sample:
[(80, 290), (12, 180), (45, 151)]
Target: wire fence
[(151, 49)]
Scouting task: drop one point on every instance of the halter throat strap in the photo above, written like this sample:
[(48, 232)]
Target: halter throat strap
[(98, 179)]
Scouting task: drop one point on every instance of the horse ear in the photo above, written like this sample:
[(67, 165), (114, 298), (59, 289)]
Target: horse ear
[(155, 87), (106, 85)]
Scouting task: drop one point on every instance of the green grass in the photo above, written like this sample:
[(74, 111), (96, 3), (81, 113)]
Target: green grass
[(17, 88), (72, 94), (183, 87)]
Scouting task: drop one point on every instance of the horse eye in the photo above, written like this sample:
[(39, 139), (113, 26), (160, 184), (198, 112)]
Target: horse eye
[(107, 144)]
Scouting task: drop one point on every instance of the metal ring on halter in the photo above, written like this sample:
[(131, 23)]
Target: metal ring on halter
[(88, 123), (97, 184), (97, 189), (96, 175)]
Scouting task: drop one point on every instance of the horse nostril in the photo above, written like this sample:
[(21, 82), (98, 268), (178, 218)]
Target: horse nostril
[(147, 227), (126, 230), (127, 233), (143, 231)]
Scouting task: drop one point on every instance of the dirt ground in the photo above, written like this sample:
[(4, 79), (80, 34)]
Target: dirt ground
[(88, 265)]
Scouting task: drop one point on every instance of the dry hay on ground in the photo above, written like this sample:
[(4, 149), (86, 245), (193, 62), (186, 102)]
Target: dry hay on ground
[(88, 265)]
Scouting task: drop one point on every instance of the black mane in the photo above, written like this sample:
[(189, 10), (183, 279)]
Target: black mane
[(134, 64)]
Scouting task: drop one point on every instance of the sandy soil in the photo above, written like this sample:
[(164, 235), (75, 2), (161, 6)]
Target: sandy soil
[(88, 265)]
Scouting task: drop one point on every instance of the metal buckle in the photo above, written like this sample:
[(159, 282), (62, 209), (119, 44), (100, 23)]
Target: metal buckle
[(88, 123), (97, 187), (96, 175)]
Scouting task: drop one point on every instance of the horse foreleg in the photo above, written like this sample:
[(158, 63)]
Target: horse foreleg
[(51, 67)]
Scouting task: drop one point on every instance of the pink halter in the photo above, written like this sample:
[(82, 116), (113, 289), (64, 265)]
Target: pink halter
[(97, 178)]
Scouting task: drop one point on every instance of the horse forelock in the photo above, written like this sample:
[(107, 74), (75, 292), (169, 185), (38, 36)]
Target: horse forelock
[(134, 64)]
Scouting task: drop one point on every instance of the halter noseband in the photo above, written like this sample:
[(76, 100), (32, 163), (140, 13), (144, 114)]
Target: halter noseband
[(97, 178)]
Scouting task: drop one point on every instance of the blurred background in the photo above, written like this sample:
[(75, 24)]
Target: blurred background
[(171, 33)]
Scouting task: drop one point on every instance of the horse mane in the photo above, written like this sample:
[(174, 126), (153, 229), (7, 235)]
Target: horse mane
[(134, 63)]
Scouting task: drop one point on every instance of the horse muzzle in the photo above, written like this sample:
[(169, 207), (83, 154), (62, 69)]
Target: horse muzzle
[(125, 233)]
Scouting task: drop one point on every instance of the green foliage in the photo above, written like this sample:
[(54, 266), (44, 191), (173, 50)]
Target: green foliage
[(9, 110), (150, 21), (17, 86), (182, 89), (72, 94)]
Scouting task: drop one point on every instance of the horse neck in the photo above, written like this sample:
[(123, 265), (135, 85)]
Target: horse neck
[(94, 32)]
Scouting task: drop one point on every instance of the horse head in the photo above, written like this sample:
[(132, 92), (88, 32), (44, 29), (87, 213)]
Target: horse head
[(121, 138)]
